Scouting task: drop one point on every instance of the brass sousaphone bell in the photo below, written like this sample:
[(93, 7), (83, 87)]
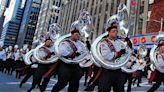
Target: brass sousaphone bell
[(83, 25), (159, 65), (122, 18), (39, 54)]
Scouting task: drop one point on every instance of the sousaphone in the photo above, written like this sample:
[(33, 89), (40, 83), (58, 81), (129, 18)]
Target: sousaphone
[(159, 65), (83, 25), (132, 65), (123, 21), (39, 54)]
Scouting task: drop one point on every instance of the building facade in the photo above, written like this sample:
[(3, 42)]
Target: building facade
[(143, 14), (157, 13), (11, 25), (100, 10), (1, 24), (3, 5), (49, 14), (29, 22)]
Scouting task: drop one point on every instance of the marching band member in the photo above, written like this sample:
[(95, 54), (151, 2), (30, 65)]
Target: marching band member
[(43, 68), (2, 58), (97, 70), (159, 77), (22, 52), (110, 49), (152, 73), (86, 69), (128, 76), (93, 81), (69, 73), (30, 71), (10, 61), (139, 72), (17, 59)]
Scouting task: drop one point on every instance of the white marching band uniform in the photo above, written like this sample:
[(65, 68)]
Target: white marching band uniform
[(34, 60), (10, 55), (22, 53), (3, 55), (66, 49), (142, 64), (160, 59), (17, 55), (43, 54), (106, 50)]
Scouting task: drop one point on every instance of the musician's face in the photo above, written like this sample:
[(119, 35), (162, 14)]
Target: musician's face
[(15, 49), (76, 36), (162, 49), (48, 43), (113, 33), (1, 48)]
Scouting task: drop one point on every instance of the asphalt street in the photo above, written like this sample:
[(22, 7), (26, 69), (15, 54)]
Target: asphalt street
[(8, 83)]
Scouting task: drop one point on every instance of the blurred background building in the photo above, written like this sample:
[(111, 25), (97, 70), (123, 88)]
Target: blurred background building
[(3, 5), (49, 14), (25, 20), (141, 11), (29, 22), (13, 17), (100, 10)]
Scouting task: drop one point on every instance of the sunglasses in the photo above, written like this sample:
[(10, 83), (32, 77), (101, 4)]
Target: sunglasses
[(114, 30)]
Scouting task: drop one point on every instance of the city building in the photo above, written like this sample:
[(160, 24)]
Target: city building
[(11, 25), (3, 5), (143, 14), (49, 14), (100, 10), (29, 22), (1, 24), (155, 24)]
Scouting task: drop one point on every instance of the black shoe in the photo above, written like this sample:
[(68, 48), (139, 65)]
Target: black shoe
[(20, 85), (85, 84), (133, 83), (29, 90), (138, 86)]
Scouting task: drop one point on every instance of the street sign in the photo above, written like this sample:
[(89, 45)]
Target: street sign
[(144, 39)]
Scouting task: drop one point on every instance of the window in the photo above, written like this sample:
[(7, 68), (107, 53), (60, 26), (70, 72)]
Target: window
[(118, 2), (56, 19), (57, 3), (112, 5), (54, 2), (106, 7), (94, 20), (141, 10), (93, 2), (91, 10), (125, 2), (140, 26), (87, 3), (97, 1), (105, 18), (97, 28), (80, 6), (95, 10), (149, 7), (100, 9)]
